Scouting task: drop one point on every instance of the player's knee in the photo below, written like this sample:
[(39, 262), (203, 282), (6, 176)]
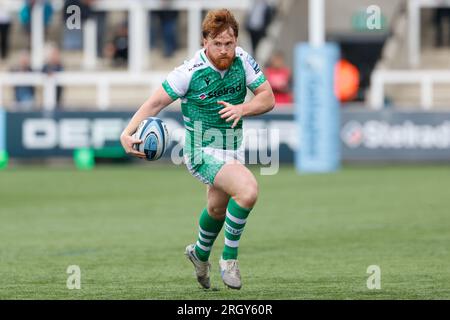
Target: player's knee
[(217, 212), (248, 196)]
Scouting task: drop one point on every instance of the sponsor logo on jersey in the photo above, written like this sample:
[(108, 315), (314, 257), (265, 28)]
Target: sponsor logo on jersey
[(253, 64), (202, 96), (195, 66), (207, 80), (222, 92)]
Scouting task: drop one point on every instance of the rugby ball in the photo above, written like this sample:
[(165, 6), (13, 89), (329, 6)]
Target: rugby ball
[(155, 137)]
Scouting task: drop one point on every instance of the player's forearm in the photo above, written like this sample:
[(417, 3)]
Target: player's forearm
[(149, 108), (259, 104)]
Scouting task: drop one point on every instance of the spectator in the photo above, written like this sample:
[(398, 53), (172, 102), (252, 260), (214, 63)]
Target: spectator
[(117, 49), (5, 24), (25, 14), (24, 95), (259, 18), (441, 14), (280, 78), (52, 65)]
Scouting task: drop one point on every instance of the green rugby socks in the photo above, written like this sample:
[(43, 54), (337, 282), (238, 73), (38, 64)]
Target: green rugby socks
[(209, 228), (234, 225)]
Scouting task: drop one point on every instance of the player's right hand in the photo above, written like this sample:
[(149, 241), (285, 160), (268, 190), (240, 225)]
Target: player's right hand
[(127, 142)]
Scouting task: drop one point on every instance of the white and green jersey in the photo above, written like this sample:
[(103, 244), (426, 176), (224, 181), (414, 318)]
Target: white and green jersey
[(200, 86)]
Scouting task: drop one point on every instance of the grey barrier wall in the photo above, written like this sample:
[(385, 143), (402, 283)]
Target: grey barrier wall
[(365, 135), (391, 136)]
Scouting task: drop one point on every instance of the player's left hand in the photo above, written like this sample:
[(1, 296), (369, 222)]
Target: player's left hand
[(231, 112)]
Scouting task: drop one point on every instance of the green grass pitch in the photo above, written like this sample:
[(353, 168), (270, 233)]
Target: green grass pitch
[(309, 236)]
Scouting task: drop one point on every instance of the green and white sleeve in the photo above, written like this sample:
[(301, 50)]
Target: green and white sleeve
[(253, 73), (177, 82)]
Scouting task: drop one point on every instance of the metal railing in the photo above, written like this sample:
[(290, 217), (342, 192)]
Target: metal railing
[(414, 26), (102, 81), (425, 78)]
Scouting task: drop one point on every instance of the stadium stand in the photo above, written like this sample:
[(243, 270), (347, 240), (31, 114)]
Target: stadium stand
[(129, 85), (395, 62), (412, 71)]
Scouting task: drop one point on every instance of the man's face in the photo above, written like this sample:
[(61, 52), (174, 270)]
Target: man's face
[(221, 50)]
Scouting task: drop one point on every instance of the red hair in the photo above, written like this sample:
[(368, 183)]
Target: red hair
[(217, 21)]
